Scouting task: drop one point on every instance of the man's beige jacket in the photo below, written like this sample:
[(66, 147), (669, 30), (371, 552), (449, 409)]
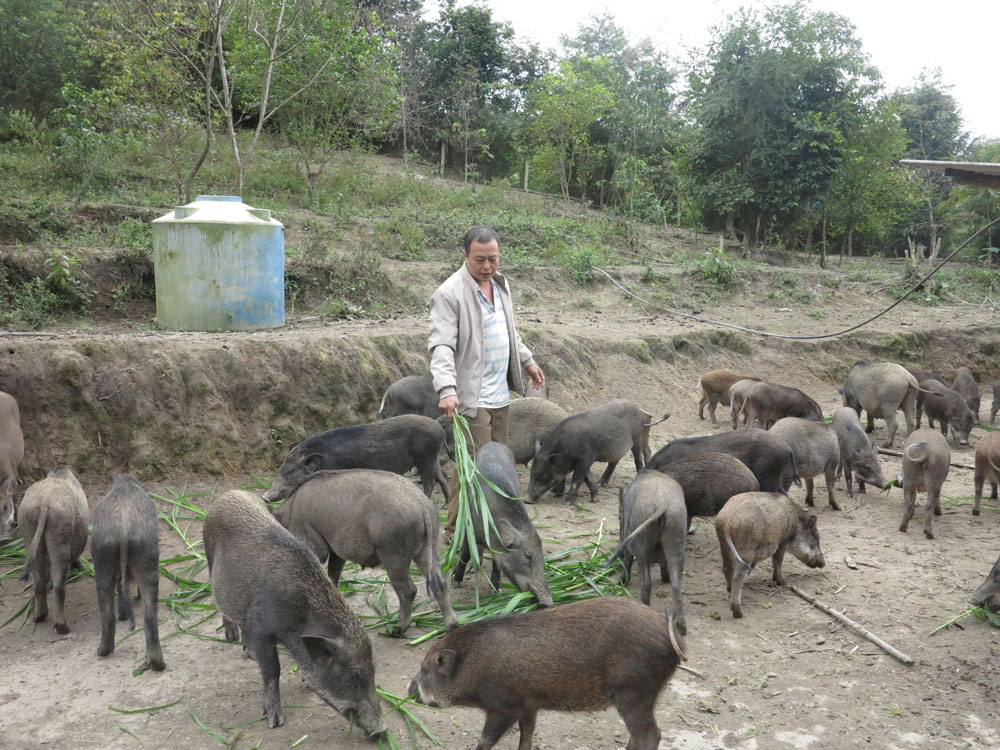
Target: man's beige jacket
[(456, 342)]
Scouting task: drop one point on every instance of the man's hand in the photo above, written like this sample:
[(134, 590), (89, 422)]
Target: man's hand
[(536, 375), (448, 405)]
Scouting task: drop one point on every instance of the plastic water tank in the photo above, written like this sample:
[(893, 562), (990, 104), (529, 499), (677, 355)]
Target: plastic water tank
[(220, 266)]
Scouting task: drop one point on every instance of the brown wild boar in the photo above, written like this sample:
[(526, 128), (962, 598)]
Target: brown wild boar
[(714, 389), (926, 458), (125, 547), (987, 468), (270, 587), (766, 403), (53, 522), (582, 656), (757, 525)]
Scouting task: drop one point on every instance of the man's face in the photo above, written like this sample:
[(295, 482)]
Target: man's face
[(483, 260)]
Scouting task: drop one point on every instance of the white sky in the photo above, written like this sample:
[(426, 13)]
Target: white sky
[(962, 37)]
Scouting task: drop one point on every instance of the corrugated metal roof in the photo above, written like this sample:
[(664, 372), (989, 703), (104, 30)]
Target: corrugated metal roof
[(981, 174)]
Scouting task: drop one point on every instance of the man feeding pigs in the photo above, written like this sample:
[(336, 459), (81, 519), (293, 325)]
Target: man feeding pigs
[(476, 353)]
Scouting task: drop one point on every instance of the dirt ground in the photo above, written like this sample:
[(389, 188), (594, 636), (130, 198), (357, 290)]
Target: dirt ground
[(785, 676)]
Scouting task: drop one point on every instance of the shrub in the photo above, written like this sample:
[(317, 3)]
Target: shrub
[(717, 267)]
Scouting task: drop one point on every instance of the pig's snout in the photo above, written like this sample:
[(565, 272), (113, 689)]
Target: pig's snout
[(817, 562)]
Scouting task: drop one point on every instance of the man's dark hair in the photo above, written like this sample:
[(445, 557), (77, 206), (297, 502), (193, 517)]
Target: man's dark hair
[(482, 235)]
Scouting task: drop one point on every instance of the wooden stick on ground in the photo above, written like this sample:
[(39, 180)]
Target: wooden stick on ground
[(893, 652), (899, 454)]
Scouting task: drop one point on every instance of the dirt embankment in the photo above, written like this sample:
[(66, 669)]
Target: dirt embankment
[(159, 404)]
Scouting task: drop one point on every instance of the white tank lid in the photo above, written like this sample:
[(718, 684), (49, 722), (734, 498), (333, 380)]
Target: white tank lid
[(221, 209)]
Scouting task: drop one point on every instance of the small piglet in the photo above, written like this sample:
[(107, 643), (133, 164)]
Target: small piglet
[(53, 522), (371, 518), (583, 656), (653, 523), (271, 588), (987, 468), (757, 525), (125, 547), (926, 458)]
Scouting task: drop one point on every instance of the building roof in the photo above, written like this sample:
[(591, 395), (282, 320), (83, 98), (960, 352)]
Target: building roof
[(980, 174)]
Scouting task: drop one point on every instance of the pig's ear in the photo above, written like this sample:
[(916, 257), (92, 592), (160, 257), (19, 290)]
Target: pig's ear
[(322, 647), (313, 462), (446, 659)]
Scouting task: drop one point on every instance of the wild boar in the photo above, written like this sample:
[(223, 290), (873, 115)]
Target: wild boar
[(709, 480), (714, 389), (921, 375), (396, 444), (601, 434), (270, 588), (582, 656), (996, 403), (530, 421), (11, 453), (513, 541), (947, 407), (371, 518), (766, 403), (653, 522), (988, 594), (125, 547), (757, 525), (966, 385), (413, 394), (767, 456), (816, 450), (926, 458), (737, 394), (856, 452), (53, 523), (987, 468), (881, 389)]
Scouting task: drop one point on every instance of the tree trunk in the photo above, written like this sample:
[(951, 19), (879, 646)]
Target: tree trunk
[(444, 151), (527, 166)]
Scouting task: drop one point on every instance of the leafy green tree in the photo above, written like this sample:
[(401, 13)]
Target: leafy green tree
[(562, 106), (770, 97)]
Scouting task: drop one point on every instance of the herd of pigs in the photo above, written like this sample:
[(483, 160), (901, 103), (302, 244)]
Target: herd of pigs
[(345, 499)]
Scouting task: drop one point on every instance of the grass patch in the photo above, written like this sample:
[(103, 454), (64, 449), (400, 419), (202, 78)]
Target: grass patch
[(980, 613)]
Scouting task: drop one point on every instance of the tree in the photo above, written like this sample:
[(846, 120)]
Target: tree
[(770, 98), (562, 106)]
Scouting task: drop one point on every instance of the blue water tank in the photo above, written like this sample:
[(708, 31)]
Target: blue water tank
[(220, 266)]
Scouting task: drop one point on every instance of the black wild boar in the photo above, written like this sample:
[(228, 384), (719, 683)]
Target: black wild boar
[(53, 523), (966, 385), (768, 457), (11, 453), (709, 480), (371, 518), (582, 656), (653, 523), (947, 407), (768, 402), (757, 525), (396, 444), (125, 547), (413, 394), (881, 389), (987, 468), (856, 452), (714, 388), (531, 420), (268, 584), (926, 458), (816, 451), (601, 434), (514, 543), (988, 594)]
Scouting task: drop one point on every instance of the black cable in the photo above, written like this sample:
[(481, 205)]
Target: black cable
[(792, 336)]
